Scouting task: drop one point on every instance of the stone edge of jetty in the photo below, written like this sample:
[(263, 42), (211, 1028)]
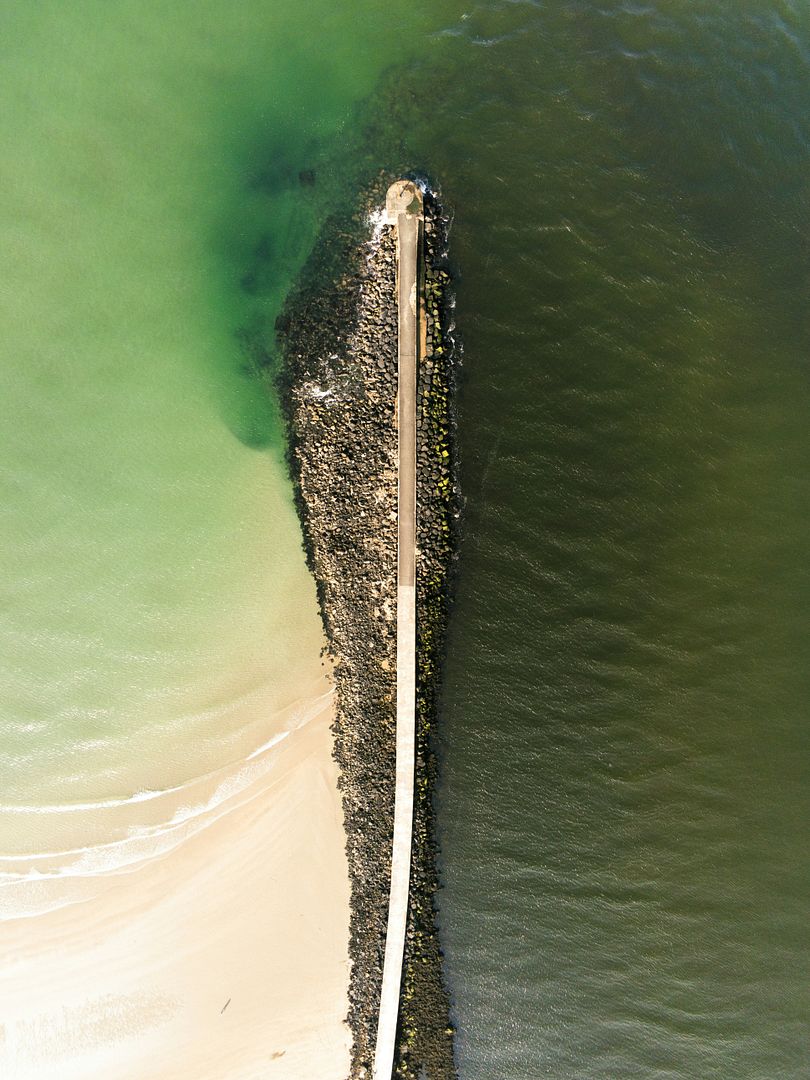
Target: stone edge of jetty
[(337, 387)]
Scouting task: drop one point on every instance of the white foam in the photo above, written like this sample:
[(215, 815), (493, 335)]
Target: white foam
[(21, 891), (101, 804), (21, 887), (314, 391), (376, 220), (299, 717)]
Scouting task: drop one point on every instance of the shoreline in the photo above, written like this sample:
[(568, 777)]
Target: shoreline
[(337, 388), (216, 959)]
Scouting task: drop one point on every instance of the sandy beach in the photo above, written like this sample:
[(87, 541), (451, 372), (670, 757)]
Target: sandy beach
[(224, 958)]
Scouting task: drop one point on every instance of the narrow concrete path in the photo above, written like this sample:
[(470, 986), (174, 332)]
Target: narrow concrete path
[(404, 210)]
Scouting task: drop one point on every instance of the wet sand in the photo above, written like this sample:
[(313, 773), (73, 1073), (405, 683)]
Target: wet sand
[(225, 958)]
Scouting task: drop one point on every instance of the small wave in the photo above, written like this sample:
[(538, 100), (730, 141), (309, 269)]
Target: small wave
[(143, 844), (376, 221), (269, 744), (147, 794), (101, 804), (22, 884), (27, 891)]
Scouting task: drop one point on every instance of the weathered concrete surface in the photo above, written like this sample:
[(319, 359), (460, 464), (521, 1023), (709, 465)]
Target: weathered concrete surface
[(404, 209)]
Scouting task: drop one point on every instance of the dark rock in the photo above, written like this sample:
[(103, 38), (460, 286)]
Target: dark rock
[(343, 464)]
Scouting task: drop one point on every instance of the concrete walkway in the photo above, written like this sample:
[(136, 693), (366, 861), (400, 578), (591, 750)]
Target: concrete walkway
[(404, 210)]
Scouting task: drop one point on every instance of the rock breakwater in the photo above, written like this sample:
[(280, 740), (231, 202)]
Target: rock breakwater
[(338, 383)]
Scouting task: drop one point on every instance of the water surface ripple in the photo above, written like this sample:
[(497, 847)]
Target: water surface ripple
[(625, 784), (624, 789)]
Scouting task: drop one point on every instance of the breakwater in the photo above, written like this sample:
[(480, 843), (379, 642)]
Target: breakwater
[(338, 382)]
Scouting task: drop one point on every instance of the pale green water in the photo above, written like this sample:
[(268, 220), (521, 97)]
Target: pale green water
[(154, 600), (624, 801)]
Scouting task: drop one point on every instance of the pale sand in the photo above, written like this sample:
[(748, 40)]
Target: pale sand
[(252, 909)]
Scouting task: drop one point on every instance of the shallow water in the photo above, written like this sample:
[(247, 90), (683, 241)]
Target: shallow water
[(624, 793), (156, 616)]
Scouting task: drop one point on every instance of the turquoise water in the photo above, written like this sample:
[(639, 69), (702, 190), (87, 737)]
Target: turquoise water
[(624, 779)]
